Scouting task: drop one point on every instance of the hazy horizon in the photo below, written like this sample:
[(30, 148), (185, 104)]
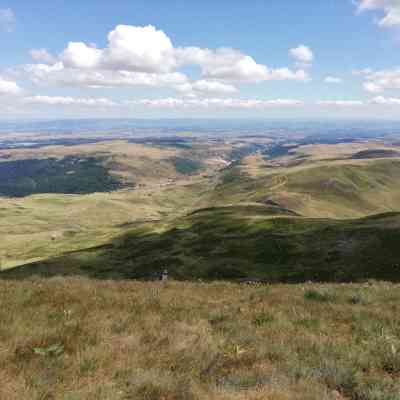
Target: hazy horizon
[(157, 59)]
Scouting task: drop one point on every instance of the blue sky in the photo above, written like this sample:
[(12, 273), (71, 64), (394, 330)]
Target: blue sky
[(255, 58)]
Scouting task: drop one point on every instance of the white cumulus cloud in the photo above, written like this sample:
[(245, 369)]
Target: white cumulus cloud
[(9, 88), (79, 55), (302, 54), (130, 48), (146, 56), (390, 8), (380, 81), (232, 65), (145, 49)]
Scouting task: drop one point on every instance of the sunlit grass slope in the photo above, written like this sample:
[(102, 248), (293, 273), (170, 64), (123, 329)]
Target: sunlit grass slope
[(42, 226), (343, 189)]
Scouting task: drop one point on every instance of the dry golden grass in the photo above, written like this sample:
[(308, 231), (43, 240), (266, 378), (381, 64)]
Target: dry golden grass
[(341, 150), (112, 147), (255, 165), (81, 339)]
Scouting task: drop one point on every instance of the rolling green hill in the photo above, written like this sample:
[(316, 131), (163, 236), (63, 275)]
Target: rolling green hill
[(344, 189), (239, 242), (320, 220)]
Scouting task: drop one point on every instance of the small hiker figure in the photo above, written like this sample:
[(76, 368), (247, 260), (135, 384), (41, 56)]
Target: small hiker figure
[(164, 275)]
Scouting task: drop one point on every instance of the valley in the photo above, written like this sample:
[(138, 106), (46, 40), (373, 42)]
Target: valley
[(200, 200), (231, 207)]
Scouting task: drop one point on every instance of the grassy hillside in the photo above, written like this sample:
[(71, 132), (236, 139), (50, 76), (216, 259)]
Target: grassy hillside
[(264, 242), (235, 238), (343, 189), (76, 339), (158, 183), (43, 226)]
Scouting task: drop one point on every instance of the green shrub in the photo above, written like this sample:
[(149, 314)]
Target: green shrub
[(315, 295), (263, 319)]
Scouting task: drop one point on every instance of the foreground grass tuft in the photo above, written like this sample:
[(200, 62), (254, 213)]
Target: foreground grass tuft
[(76, 339)]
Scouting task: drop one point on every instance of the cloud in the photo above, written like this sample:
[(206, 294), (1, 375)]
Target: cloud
[(146, 50), (372, 87), (136, 48), (69, 101), (130, 48), (332, 79), (247, 70), (390, 8), (341, 103), (7, 19), (232, 65), (169, 103), (380, 81), (380, 100), (211, 104), (145, 56), (386, 101), (79, 55), (303, 55), (9, 88), (204, 87), (42, 55), (58, 75), (224, 64), (215, 103)]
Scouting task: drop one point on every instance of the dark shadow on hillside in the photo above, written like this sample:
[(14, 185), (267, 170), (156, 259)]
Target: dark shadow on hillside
[(221, 245), (375, 153)]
